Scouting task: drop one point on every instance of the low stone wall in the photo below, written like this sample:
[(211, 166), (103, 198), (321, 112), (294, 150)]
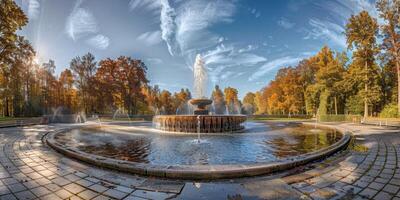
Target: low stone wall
[(67, 118)]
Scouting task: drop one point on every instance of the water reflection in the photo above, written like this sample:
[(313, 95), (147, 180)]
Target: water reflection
[(262, 142)]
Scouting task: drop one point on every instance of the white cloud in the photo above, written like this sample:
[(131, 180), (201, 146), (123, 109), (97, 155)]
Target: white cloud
[(150, 38), (247, 49), (33, 9), (167, 25), (148, 5), (343, 9), (228, 57), (328, 31), (155, 61), (80, 23), (285, 23), (194, 17), (99, 41), (274, 64)]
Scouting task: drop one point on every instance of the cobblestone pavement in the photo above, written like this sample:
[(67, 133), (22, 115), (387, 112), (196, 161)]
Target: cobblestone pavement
[(31, 170)]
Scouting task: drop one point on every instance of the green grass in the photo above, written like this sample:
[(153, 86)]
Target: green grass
[(5, 119)]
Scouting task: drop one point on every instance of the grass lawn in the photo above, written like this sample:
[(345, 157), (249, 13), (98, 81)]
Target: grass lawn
[(5, 119)]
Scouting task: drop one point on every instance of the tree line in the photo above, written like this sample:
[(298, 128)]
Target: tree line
[(363, 80)]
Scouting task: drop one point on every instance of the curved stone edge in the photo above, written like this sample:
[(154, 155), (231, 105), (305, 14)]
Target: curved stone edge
[(198, 172)]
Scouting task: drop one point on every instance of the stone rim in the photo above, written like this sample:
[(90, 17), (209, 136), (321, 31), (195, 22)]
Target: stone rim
[(198, 172)]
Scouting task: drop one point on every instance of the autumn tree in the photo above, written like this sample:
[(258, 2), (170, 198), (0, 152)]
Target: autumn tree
[(232, 101), (389, 10), (361, 32), (249, 103), (84, 69), (218, 99)]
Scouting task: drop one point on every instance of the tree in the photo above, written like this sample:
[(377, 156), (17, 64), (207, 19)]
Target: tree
[(390, 12), (218, 100), (232, 101), (361, 32), (249, 104), (12, 18), (84, 70)]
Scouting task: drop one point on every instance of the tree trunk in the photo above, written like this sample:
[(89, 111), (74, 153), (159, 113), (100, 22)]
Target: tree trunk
[(366, 92), (335, 105), (7, 109), (398, 85)]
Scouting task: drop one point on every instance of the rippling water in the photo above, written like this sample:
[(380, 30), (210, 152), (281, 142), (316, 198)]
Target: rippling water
[(262, 142)]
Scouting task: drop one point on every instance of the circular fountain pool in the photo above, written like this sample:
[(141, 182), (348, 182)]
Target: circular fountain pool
[(140, 149)]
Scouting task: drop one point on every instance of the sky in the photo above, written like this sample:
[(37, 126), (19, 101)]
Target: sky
[(243, 42)]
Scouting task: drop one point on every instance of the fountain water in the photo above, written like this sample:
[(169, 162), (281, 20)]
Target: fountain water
[(120, 112), (200, 78)]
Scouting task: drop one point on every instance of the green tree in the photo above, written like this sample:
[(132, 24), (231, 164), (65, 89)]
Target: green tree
[(361, 32)]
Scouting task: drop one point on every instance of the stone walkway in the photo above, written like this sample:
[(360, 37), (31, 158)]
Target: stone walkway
[(31, 170)]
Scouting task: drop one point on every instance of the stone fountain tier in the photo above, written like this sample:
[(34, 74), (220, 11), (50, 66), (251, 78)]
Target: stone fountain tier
[(208, 123), (201, 106)]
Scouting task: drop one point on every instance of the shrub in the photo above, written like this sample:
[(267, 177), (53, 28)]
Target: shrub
[(389, 111)]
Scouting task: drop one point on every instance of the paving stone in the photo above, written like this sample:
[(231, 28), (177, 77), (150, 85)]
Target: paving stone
[(324, 193), (98, 188), (84, 182), (88, 194), (74, 188), (61, 181), (53, 187), (25, 195), (50, 197), (392, 189), (368, 192), (376, 185), (383, 195), (63, 194), (101, 197), (17, 187), (8, 197), (40, 191), (115, 194)]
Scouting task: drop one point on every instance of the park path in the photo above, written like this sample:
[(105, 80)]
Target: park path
[(31, 170)]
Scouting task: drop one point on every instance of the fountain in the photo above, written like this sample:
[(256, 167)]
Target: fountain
[(201, 121)]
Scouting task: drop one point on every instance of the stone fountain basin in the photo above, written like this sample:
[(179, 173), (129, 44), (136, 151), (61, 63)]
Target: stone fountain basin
[(199, 172), (208, 123), (200, 102)]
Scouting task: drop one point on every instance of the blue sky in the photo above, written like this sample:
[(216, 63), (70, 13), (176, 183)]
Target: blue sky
[(243, 43)]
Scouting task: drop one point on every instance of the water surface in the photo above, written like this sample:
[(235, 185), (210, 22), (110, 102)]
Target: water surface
[(261, 142)]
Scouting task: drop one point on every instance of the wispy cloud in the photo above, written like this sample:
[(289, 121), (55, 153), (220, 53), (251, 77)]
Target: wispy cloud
[(168, 25), (155, 61), (150, 38), (274, 64), (33, 9), (80, 23), (322, 29), (99, 41), (224, 57), (285, 23), (149, 5), (345, 8)]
